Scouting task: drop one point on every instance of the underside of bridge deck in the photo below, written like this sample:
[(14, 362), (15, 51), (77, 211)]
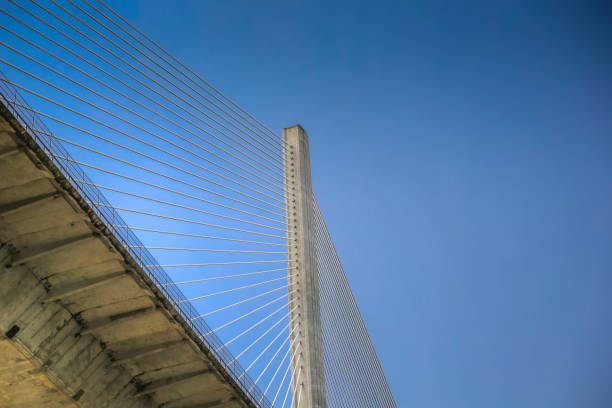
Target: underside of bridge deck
[(81, 324)]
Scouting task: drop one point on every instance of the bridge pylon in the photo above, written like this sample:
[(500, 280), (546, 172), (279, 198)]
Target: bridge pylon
[(308, 379)]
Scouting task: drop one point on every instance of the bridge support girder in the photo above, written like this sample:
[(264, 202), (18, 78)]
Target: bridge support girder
[(76, 288), (171, 381), (145, 351)]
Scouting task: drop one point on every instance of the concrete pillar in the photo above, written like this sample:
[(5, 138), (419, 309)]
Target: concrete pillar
[(307, 337)]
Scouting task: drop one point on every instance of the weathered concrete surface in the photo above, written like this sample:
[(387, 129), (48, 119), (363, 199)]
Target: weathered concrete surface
[(80, 323), (25, 383), (307, 338)]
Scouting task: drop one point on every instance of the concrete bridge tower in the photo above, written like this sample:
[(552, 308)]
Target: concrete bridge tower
[(308, 379)]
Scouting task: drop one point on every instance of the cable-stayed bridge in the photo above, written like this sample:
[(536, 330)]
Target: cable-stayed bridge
[(160, 246)]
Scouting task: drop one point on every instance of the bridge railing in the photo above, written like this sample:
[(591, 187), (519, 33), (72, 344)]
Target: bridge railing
[(35, 127)]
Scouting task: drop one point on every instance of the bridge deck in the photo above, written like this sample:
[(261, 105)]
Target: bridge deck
[(83, 325)]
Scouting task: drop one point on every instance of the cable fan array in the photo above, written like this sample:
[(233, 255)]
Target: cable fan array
[(353, 375), (191, 183)]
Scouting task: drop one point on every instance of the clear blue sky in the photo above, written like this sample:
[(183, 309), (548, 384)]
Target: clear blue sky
[(462, 155)]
